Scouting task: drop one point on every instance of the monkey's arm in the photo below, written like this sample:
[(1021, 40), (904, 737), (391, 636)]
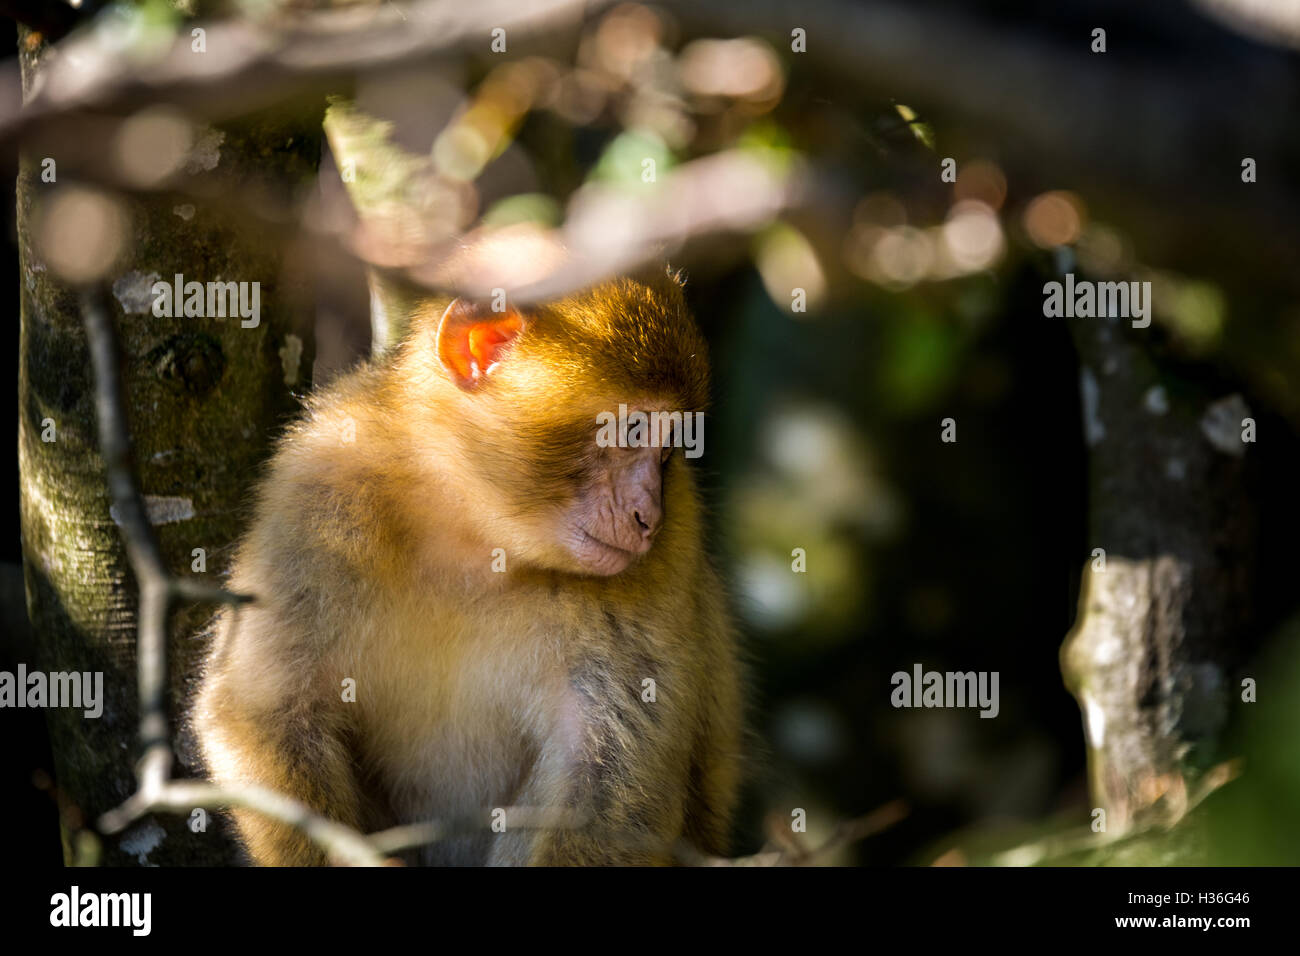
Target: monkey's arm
[(263, 718)]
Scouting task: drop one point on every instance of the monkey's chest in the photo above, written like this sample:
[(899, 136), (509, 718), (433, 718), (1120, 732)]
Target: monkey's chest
[(552, 716)]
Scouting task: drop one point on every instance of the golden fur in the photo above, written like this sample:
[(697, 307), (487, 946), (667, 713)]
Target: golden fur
[(370, 553)]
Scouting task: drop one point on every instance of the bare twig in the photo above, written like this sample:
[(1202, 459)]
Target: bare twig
[(247, 63), (793, 854), (609, 231), (342, 843), (141, 546), (410, 835), (612, 231), (187, 589), (157, 588)]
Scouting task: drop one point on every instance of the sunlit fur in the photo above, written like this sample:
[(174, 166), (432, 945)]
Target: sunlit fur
[(372, 559)]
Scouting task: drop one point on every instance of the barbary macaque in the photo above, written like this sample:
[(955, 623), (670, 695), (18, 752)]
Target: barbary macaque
[(467, 608)]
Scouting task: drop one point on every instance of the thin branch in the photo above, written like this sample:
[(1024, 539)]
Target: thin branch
[(343, 844), (156, 792), (609, 231), (141, 545), (248, 63), (793, 853), (612, 231), (157, 588), (411, 835), (187, 589)]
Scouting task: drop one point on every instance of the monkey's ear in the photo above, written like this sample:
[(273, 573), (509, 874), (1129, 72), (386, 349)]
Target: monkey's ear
[(471, 339)]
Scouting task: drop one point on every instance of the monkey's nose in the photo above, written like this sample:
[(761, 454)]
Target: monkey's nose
[(647, 516)]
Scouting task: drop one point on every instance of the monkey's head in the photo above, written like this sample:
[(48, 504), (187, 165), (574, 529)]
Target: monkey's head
[(572, 418)]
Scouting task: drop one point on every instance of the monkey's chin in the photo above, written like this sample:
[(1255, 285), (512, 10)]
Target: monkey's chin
[(597, 558)]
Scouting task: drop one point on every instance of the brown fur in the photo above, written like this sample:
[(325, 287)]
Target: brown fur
[(371, 559)]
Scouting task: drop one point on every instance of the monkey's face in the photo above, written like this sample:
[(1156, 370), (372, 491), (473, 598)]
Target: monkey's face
[(568, 494), (567, 418), (618, 509)]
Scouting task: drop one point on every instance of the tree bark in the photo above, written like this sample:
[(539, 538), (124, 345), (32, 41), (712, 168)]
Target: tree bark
[(1151, 656), (206, 396)]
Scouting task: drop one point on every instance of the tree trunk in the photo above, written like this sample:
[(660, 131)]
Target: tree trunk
[(1150, 658), (206, 396)]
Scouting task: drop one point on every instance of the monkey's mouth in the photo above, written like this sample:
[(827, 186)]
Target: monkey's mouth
[(601, 557)]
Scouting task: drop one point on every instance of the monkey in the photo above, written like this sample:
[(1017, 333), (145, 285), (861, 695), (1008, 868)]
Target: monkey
[(527, 617)]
